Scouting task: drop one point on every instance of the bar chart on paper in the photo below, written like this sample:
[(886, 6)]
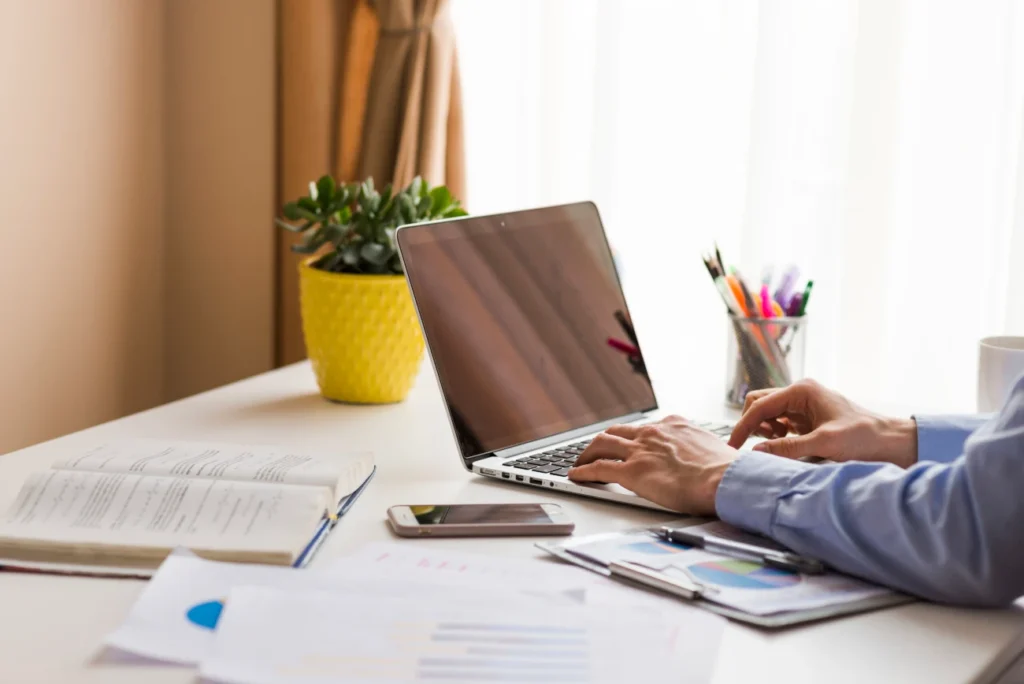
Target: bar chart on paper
[(269, 636), (459, 651)]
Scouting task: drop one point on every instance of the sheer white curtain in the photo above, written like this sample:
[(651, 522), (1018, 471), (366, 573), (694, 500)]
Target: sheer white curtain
[(875, 143)]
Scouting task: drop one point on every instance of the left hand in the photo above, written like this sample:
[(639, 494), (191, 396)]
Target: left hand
[(670, 462)]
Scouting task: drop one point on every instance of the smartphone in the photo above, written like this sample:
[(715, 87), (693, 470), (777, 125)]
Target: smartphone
[(479, 520)]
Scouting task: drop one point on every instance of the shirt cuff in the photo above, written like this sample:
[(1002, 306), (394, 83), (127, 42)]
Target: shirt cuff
[(940, 439), (750, 489)]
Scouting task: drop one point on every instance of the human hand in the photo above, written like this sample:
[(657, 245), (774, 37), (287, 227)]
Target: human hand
[(670, 462), (807, 419)]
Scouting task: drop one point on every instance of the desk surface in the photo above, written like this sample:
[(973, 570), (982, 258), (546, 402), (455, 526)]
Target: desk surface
[(52, 627)]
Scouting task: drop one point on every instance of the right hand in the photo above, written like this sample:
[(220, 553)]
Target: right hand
[(807, 419)]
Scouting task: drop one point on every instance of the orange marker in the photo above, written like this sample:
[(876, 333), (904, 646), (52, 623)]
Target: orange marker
[(737, 292)]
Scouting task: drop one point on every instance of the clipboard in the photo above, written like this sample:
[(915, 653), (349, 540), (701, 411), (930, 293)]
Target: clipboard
[(665, 586)]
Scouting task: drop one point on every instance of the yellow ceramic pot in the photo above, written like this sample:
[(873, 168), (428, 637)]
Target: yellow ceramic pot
[(362, 336)]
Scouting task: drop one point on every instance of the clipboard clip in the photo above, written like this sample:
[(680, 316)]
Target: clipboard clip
[(683, 587)]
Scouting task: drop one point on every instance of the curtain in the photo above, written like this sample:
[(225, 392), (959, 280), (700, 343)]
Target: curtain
[(874, 143), (365, 89)]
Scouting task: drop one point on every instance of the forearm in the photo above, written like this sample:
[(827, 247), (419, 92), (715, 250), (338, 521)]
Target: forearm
[(922, 530)]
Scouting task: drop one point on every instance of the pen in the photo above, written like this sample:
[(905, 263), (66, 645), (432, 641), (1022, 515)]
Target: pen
[(727, 296), (794, 304), (766, 303), (652, 578), (806, 297), (781, 560), (748, 300), (785, 291), (737, 293)]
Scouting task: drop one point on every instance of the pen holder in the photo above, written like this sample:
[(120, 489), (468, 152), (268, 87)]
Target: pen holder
[(763, 353)]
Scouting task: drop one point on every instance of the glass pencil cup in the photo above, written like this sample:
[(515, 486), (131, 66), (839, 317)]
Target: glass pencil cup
[(763, 353)]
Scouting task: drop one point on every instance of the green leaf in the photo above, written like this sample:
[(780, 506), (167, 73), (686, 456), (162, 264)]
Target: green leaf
[(308, 215), (440, 199), (291, 211), (343, 195), (333, 233), (325, 189), (310, 245), (309, 204), (406, 209), (291, 227), (349, 255), (375, 253), (312, 190), (416, 187), (385, 201), (314, 241), (454, 211), (332, 262), (345, 215)]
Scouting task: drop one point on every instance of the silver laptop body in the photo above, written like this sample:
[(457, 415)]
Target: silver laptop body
[(530, 336)]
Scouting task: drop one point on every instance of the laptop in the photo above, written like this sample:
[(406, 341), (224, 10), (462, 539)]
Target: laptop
[(530, 336)]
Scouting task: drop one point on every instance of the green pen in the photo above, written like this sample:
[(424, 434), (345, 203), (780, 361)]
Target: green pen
[(807, 295)]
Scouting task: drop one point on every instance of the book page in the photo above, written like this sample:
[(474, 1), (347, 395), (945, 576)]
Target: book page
[(88, 508), (341, 474)]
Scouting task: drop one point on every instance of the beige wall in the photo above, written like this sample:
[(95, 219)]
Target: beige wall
[(136, 167), (81, 216), (220, 192)]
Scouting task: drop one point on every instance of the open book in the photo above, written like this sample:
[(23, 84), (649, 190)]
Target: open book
[(129, 504)]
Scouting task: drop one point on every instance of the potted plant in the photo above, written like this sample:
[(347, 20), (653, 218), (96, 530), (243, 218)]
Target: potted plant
[(361, 332)]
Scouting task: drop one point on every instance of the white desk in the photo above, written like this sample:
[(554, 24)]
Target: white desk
[(51, 627)]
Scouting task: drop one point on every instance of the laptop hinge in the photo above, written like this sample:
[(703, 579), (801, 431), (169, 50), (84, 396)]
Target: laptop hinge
[(561, 437)]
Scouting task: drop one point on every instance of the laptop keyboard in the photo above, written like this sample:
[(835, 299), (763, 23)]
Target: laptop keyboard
[(558, 460)]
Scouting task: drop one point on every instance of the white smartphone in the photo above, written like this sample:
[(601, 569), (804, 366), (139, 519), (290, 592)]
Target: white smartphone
[(479, 520)]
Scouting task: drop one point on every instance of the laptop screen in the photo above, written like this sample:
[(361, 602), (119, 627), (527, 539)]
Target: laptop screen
[(526, 324)]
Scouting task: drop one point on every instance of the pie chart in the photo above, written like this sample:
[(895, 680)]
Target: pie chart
[(205, 614), (737, 574)]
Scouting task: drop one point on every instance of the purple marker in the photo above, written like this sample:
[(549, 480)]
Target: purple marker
[(785, 290), (794, 304)]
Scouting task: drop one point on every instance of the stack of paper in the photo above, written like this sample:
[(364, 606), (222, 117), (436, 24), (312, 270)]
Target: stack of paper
[(393, 613)]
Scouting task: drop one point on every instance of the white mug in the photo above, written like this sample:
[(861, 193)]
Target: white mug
[(1000, 363)]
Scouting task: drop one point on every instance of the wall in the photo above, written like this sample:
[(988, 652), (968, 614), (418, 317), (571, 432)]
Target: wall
[(137, 168), (219, 316), (81, 216)]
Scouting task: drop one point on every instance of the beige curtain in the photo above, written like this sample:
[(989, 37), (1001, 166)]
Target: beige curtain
[(365, 89)]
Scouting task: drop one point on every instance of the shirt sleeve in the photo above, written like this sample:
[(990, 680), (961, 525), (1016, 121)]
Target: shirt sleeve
[(948, 532), (941, 438)]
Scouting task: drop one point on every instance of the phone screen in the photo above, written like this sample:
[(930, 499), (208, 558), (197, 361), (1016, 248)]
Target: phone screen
[(480, 514)]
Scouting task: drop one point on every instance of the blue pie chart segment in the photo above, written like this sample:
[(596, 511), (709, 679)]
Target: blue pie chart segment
[(736, 574), (206, 614)]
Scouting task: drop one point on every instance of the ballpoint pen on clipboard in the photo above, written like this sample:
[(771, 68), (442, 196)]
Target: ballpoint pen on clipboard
[(772, 558)]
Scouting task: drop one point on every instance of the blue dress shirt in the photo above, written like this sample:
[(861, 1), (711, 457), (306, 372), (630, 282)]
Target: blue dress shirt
[(949, 528)]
